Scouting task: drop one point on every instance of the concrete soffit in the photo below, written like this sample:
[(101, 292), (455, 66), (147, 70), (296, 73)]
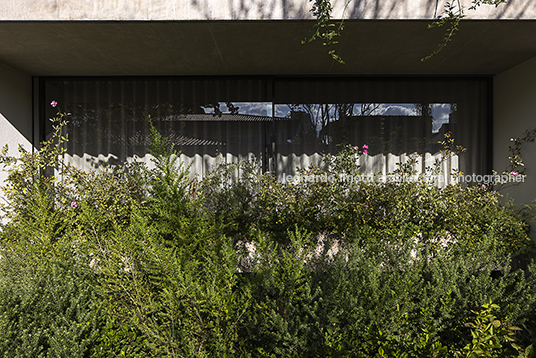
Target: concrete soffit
[(264, 47), (256, 37)]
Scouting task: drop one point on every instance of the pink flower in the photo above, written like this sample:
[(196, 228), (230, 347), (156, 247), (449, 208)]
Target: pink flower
[(365, 146), (356, 147), (514, 173), (74, 204), (365, 151), (53, 103), (484, 186)]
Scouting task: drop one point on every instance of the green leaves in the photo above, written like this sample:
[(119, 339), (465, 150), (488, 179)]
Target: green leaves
[(141, 262), (453, 14), (488, 334), (325, 30)]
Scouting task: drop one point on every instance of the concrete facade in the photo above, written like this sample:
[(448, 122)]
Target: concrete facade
[(15, 111), (514, 112), (245, 9), (15, 108)]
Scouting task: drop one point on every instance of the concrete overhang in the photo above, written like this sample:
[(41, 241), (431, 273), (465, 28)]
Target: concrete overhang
[(260, 47)]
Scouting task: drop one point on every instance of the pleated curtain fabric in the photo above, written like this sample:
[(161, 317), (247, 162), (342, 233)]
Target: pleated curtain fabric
[(280, 122)]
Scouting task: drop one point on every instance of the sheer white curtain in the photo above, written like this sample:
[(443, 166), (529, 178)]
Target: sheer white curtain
[(281, 122)]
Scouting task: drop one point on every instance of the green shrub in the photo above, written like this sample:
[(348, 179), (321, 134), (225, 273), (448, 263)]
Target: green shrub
[(48, 310), (137, 262), (400, 211), (363, 304)]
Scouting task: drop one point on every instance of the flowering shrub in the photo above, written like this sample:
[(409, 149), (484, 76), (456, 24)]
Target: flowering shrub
[(358, 211), (131, 261)]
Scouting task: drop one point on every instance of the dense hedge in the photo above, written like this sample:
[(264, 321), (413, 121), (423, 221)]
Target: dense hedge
[(144, 262)]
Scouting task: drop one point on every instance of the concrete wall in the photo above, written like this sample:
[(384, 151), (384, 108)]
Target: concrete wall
[(245, 9), (15, 112), (514, 112)]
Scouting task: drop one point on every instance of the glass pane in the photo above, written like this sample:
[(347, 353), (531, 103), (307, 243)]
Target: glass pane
[(393, 116), (392, 131), (283, 123), (208, 121)]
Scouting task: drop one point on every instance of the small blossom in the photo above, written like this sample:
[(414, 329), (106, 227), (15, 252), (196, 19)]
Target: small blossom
[(74, 204), (53, 103), (365, 146), (356, 147), (484, 186), (514, 173), (365, 151)]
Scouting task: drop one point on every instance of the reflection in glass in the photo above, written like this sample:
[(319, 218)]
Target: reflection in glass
[(282, 123), (109, 121), (392, 131)]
